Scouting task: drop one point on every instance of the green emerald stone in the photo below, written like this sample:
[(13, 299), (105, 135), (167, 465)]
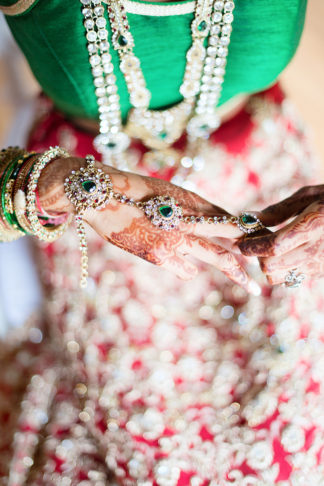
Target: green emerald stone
[(111, 145), (163, 135), (202, 26), (166, 211), (249, 219), (89, 186), (122, 41)]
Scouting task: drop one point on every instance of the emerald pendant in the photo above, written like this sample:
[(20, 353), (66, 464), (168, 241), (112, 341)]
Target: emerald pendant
[(202, 26), (163, 135), (89, 186), (122, 41), (166, 211)]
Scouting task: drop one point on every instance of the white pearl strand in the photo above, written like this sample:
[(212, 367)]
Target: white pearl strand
[(129, 63), (148, 125), (205, 119), (110, 125), (134, 77), (112, 140)]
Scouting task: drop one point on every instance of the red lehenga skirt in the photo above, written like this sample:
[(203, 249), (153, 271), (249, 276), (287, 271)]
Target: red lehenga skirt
[(143, 379)]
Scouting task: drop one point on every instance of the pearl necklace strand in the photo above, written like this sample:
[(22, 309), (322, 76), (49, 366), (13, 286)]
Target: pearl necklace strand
[(201, 87)]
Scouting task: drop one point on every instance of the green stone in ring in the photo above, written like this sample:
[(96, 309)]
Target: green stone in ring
[(249, 219)]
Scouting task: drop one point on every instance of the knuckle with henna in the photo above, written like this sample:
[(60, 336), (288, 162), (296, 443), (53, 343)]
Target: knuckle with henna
[(260, 245)]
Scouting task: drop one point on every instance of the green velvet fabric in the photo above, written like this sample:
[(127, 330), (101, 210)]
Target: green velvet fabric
[(265, 36)]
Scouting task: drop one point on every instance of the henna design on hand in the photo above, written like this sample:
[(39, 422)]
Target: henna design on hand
[(285, 240), (225, 261), (300, 245), (292, 206), (118, 186), (50, 187), (258, 245), (189, 200), (147, 242)]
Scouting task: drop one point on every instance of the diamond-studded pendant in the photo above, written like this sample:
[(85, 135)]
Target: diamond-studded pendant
[(88, 188), (164, 212)]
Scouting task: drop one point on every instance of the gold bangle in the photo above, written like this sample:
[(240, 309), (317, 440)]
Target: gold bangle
[(19, 198), (22, 177), (6, 155), (43, 233), (9, 189), (20, 211)]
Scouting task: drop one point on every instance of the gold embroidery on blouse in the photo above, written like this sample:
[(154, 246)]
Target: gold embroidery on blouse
[(17, 8)]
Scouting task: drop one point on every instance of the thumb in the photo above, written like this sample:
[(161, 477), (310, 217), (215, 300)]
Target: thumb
[(291, 206)]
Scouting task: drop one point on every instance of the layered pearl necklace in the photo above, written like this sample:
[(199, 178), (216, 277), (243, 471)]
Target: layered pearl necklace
[(201, 86)]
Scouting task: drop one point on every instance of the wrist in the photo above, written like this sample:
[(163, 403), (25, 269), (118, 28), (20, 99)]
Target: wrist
[(51, 194)]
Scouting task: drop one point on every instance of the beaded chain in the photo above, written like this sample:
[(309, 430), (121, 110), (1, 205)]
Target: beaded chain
[(201, 86)]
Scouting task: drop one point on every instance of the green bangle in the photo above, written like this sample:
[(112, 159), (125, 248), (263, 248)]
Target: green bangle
[(4, 179), (11, 173)]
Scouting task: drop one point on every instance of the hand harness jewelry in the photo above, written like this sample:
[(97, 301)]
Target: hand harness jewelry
[(201, 86), (90, 187)]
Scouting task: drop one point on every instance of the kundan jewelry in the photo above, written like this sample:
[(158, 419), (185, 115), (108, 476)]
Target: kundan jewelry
[(201, 87), (90, 187)]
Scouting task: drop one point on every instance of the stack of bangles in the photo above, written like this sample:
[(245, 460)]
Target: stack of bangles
[(20, 212), (89, 187)]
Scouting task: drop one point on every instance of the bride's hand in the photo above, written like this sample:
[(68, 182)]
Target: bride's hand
[(299, 245), (128, 228)]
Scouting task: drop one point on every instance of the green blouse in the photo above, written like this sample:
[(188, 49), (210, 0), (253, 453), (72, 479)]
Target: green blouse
[(51, 34)]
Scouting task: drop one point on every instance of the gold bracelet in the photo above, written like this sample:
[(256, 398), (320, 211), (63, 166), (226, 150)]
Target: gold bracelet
[(7, 155), (9, 189), (19, 198), (22, 177), (43, 233), (19, 203)]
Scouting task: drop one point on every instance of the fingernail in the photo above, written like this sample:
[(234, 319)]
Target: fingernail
[(254, 288)]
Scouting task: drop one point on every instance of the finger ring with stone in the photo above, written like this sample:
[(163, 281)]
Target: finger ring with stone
[(293, 279), (249, 223)]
